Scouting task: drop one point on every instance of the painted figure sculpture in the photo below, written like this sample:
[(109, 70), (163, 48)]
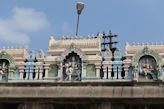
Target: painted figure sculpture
[(29, 69)]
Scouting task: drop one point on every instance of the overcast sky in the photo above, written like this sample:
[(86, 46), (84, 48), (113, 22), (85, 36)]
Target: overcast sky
[(32, 22)]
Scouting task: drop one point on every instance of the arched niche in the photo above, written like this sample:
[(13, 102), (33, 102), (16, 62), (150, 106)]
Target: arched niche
[(11, 68), (72, 67), (147, 52), (147, 67)]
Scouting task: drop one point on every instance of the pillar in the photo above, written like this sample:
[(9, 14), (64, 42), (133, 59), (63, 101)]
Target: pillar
[(126, 74), (46, 67), (59, 70), (98, 72), (136, 74), (46, 72), (109, 72), (21, 74), (105, 72), (126, 69), (84, 72)]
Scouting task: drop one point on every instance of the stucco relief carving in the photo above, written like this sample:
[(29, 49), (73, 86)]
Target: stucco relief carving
[(107, 53)]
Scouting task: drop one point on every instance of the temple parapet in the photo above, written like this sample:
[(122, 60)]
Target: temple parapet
[(77, 59), (130, 50), (89, 45)]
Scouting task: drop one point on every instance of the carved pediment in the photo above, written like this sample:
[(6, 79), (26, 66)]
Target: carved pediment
[(40, 54), (31, 56), (117, 53), (73, 48), (107, 53)]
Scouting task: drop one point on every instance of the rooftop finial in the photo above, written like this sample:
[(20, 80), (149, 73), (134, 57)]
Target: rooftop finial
[(63, 38), (88, 37), (3, 48), (133, 44), (138, 43), (67, 37), (71, 37), (83, 37), (58, 37), (93, 37), (51, 37), (98, 34), (127, 43), (142, 44), (156, 43), (79, 37), (75, 37)]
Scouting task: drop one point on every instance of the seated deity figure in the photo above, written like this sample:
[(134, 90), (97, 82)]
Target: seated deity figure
[(3, 70), (148, 70), (72, 70)]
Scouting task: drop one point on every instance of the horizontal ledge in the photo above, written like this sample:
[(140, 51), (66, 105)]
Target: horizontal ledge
[(106, 92)]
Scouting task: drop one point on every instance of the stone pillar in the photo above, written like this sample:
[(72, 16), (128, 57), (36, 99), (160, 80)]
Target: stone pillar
[(46, 67), (127, 63), (136, 74), (59, 70), (98, 72), (21, 73), (84, 72), (126, 74), (46, 72), (105, 74)]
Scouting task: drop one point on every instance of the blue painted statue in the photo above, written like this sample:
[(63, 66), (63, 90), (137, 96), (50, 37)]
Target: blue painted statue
[(117, 63), (29, 69)]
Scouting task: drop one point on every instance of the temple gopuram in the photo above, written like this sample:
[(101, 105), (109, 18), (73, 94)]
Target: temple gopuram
[(78, 74)]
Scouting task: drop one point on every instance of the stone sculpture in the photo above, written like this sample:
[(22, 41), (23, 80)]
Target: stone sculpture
[(29, 69)]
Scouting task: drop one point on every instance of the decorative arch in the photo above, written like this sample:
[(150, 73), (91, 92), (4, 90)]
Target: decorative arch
[(8, 57), (149, 52), (74, 49), (146, 51)]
